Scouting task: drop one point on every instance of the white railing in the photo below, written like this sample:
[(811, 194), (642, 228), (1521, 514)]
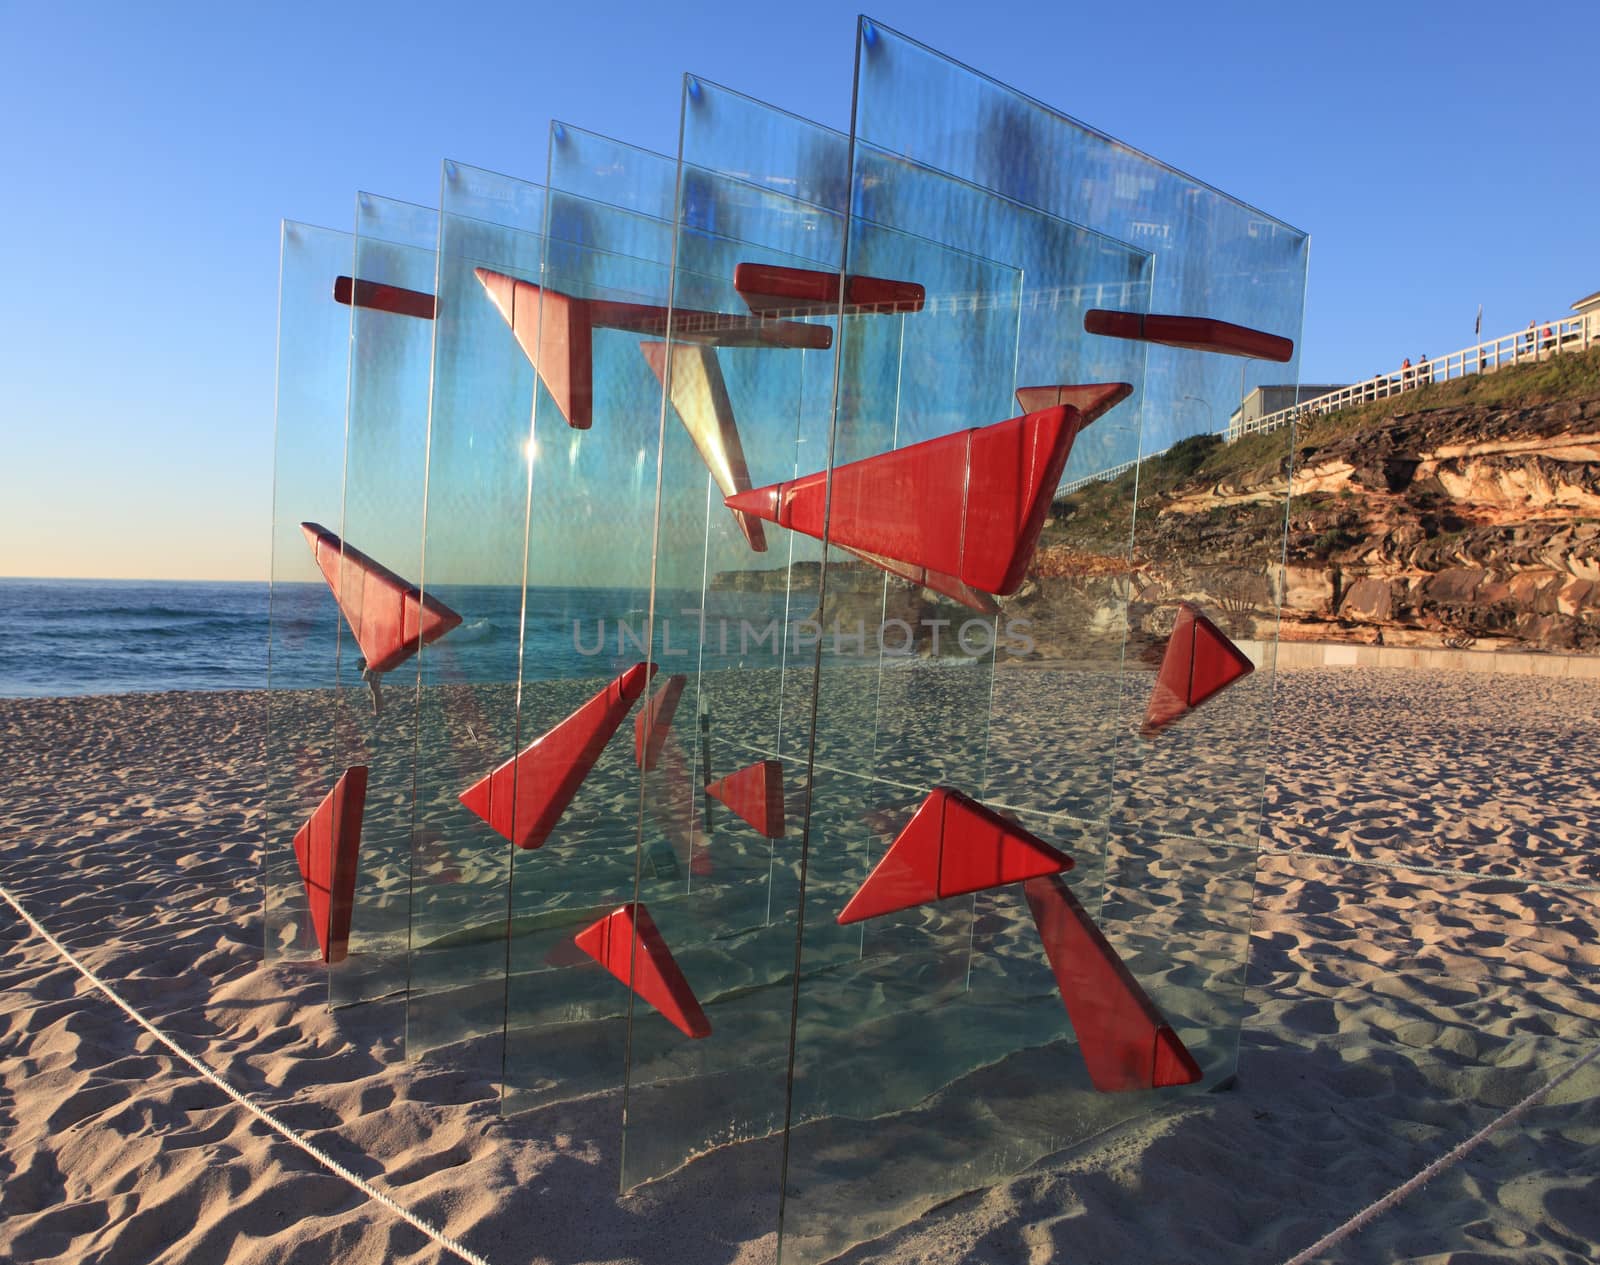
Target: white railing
[(1575, 333), (1101, 476)]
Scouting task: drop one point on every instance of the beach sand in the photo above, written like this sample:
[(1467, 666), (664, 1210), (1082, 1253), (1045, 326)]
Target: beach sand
[(1425, 950)]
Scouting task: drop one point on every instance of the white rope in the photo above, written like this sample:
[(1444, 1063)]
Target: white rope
[(282, 1130), (1376, 1209)]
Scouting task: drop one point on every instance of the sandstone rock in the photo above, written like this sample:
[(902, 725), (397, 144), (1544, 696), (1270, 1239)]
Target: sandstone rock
[(1371, 600)]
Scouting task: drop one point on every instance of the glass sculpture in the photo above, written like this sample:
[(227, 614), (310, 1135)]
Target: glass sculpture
[(728, 573)]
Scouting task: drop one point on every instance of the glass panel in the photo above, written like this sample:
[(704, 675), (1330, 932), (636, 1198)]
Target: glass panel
[(474, 539), (886, 1014), (977, 1069), (304, 624), (386, 441), (587, 603), (735, 605)]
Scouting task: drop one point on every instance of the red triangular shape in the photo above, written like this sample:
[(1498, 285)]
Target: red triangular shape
[(654, 722), (651, 971), (970, 505), (1199, 662), (525, 797), (556, 336), (389, 617), (326, 848), (1093, 400), (700, 399), (1126, 1042), (953, 845), (755, 794)]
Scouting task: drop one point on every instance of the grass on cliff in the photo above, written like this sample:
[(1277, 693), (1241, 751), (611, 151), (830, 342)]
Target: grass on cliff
[(1099, 511)]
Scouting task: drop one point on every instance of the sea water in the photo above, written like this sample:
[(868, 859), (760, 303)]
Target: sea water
[(121, 636)]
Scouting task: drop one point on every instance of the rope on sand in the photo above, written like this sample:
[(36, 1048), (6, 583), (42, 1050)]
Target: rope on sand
[(1376, 1209), (282, 1130)]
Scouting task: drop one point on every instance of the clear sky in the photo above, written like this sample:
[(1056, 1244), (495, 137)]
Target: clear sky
[(1441, 156)]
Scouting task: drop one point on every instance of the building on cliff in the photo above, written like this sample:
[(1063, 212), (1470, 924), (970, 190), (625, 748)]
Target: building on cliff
[(1267, 399)]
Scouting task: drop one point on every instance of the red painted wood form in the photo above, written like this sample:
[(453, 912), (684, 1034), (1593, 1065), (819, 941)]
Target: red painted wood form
[(384, 298), (773, 289), (389, 617), (654, 722), (650, 969), (524, 798), (699, 397), (1194, 333), (969, 505), (327, 847), (557, 334), (1094, 399), (1125, 1040), (755, 794), (951, 846), (1199, 662)]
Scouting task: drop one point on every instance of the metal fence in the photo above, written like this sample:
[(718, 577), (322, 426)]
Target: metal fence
[(1537, 342)]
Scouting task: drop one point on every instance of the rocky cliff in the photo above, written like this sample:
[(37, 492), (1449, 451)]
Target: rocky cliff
[(1442, 520), (1464, 513)]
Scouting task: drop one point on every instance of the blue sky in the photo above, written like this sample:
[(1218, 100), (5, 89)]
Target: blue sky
[(1436, 153)]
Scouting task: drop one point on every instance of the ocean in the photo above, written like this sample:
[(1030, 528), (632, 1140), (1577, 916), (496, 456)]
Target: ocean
[(122, 636)]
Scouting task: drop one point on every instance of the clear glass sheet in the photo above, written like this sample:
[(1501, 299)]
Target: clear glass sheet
[(1061, 737), (304, 625), (587, 606), (886, 1017), (737, 624), (385, 460), (475, 528)]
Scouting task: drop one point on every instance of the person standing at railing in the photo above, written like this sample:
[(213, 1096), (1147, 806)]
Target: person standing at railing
[(1424, 370), (1533, 338), (1405, 374), (1549, 338)]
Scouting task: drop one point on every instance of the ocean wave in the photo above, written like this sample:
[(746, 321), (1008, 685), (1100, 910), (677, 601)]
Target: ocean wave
[(472, 631)]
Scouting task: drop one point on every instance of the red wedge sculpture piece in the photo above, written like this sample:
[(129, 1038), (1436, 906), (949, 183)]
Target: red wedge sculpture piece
[(556, 337), (969, 505), (650, 970), (389, 616), (383, 298), (754, 793), (1126, 1042), (1194, 333), (1093, 400), (1200, 661), (953, 845), (773, 289), (654, 722), (700, 398), (326, 848), (525, 797), (557, 334)]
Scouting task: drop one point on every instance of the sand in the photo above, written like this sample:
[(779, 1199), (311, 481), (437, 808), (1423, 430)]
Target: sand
[(1424, 952)]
